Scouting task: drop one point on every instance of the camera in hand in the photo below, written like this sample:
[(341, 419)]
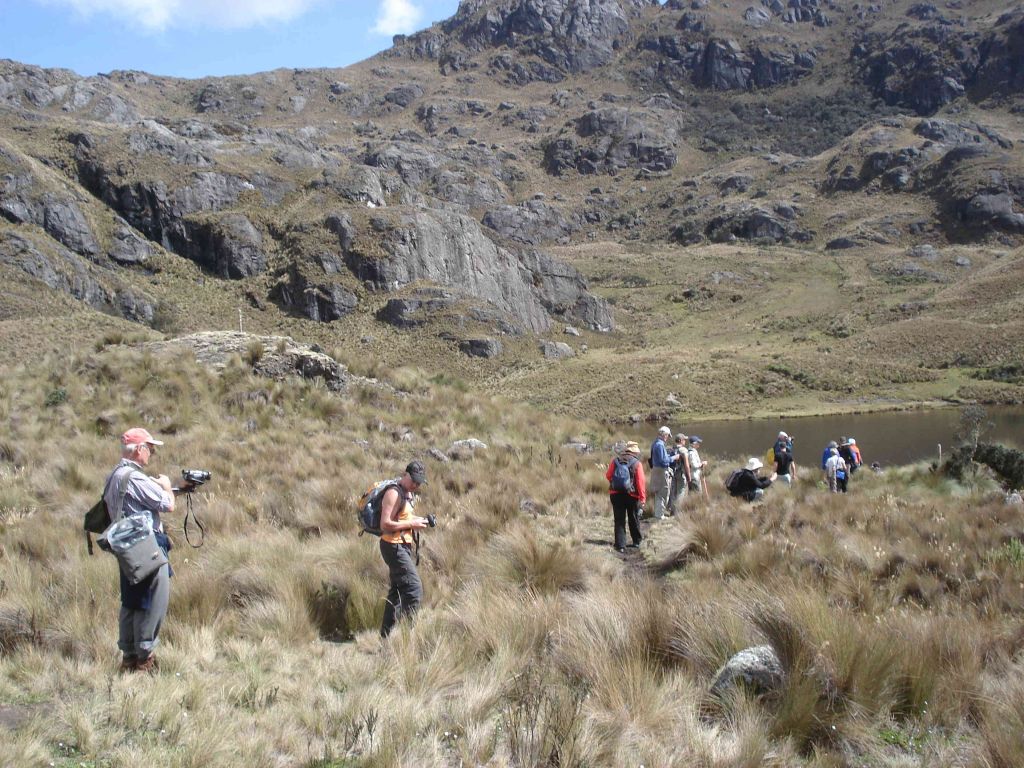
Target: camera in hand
[(432, 521), (195, 476)]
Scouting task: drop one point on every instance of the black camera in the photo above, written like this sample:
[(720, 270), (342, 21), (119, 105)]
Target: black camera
[(195, 476), (432, 521)]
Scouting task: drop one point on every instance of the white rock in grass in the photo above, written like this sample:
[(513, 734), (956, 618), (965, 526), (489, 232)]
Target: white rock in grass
[(758, 668), (471, 444)]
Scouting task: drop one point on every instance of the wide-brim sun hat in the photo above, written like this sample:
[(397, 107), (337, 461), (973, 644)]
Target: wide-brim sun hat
[(632, 447), (754, 464)]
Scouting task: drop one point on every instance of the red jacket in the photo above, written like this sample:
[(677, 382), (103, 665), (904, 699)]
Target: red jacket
[(639, 481)]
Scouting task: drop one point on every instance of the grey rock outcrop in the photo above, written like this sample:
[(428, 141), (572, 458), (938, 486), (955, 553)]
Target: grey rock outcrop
[(927, 65), (451, 250), (725, 65), (533, 222), (572, 35), (418, 309), (229, 247), (751, 222), (758, 668), (323, 300), (63, 270), (279, 356), (613, 138)]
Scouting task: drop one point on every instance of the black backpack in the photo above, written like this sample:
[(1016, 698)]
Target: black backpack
[(369, 504), (97, 518), (732, 483), (623, 476)]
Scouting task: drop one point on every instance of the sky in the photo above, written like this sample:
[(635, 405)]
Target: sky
[(195, 38)]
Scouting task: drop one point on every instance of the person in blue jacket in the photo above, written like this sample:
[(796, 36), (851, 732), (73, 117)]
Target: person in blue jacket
[(661, 462), (825, 455)]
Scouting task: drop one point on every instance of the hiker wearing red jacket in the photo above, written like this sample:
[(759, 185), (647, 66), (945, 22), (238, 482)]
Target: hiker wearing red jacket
[(627, 489)]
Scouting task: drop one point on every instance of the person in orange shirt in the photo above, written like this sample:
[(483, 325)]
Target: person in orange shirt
[(627, 489), (399, 530)]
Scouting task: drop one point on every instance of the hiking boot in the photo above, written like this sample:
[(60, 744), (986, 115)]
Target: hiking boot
[(148, 664), (128, 664), (620, 549), (635, 545)]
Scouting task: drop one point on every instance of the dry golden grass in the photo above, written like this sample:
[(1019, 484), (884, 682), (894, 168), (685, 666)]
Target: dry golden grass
[(896, 609)]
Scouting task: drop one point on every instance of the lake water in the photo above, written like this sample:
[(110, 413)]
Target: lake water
[(893, 437)]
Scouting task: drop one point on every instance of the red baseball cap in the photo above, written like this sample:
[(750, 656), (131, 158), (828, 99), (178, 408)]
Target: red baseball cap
[(138, 436)]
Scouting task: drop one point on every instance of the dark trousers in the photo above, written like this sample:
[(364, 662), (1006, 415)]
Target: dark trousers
[(406, 591), (624, 508)]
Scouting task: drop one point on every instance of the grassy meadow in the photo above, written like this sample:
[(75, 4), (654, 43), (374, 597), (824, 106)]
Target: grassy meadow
[(896, 609)]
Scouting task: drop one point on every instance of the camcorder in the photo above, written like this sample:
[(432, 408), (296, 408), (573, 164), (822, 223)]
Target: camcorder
[(192, 479)]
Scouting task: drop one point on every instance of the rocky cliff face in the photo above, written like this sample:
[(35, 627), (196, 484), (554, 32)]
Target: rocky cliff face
[(458, 161)]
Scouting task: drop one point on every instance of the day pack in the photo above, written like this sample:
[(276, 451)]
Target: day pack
[(97, 518), (368, 511), (769, 456), (732, 483), (622, 476)]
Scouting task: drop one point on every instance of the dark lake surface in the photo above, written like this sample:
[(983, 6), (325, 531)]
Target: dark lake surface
[(893, 437)]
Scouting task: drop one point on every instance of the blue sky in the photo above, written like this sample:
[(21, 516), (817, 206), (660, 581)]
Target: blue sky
[(194, 38)]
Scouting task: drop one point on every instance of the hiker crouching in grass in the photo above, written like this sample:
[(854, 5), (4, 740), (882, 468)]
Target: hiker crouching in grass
[(627, 489), (747, 484), (143, 605), (399, 531)]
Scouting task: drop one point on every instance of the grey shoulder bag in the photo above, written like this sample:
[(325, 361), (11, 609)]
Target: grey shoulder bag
[(132, 541)]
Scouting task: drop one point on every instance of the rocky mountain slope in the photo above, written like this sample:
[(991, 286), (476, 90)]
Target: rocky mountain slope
[(712, 200)]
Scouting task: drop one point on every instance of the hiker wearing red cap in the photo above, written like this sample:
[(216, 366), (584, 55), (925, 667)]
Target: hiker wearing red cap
[(131, 492)]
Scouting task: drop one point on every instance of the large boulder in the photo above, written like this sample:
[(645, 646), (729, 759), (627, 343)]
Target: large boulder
[(485, 347)]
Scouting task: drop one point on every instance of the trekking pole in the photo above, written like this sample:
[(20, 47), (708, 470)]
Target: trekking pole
[(704, 482)]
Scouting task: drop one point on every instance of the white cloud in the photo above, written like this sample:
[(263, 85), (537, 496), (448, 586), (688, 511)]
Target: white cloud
[(397, 17), (163, 14)]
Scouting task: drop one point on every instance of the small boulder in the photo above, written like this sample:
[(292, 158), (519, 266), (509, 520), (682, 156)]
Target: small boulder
[(486, 347), (758, 668)]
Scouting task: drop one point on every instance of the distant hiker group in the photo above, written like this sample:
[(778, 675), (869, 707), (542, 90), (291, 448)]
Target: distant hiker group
[(676, 471), (839, 461)]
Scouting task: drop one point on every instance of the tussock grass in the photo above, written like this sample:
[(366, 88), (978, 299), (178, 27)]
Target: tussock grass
[(895, 611)]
